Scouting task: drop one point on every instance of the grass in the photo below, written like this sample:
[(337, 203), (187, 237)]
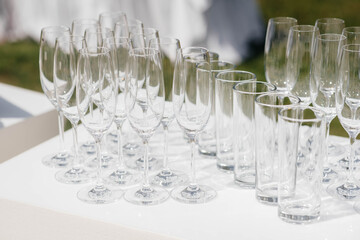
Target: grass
[(19, 60)]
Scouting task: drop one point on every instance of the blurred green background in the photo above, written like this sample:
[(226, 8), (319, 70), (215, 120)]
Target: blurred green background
[(19, 60)]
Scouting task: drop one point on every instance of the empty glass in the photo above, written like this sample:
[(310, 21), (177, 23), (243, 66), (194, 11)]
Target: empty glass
[(79, 25), (207, 138), (46, 63), (244, 94), (352, 35), (301, 154), (267, 128), (140, 38), (330, 25), (109, 19), (192, 107), (224, 83), (275, 51)]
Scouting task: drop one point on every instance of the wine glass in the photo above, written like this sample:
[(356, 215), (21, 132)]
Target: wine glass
[(275, 51), (330, 25), (145, 63), (109, 19), (352, 35), (298, 60), (192, 107), (46, 64), (324, 74), (168, 48), (140, 38), (97, 86), (79, 25), (65, 59), (347, 94), (119, 48)]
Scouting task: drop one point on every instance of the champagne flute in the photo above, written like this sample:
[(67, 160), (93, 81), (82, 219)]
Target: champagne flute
[(145, 61), (347, 104), (192, 107), (275, 51), (352, 35), (65, 59), (324, 76), (168, 48), (109, 19), (140, 38), (96, 80), (46, 64), (330, 25), (79, 25), (125, 28), (120, 50)]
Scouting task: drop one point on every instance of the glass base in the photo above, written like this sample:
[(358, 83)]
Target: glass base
[(168, 178), (74, 175), (138, 164), (349, 190), (146, 195), (293, 214), (88, 148), (208, 150), (193, 194), (268, 195), (132, 149), (344, 163), (246, 180), (58, 160), (329, 175), (336, 150), (123, 177), (225, 168), (99, 194), (107, 161)]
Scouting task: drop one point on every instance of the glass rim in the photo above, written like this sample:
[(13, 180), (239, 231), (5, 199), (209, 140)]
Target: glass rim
[(330, 20), (144, 52), (51, 29), (145, 31), (221, 78), (331, 37), (352, 31), (85, 51), (319, 114), (70, 38), (166, 40), (245, 82), (276, 94), (99, 29), (85, 20), (230, 66), (348, 47), (283, 20), (304, 28)]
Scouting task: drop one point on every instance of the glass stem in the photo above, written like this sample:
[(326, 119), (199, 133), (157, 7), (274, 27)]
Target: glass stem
[(76, 162), (61, 130), (166, 133), (99, 181), (326, 163), (352, 157), (121, 164), (146, 164), (192, 162)]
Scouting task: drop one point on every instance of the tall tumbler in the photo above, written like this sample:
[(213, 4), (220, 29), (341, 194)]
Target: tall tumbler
[(207, 138), (244, 94), (224, 83), (267, 107), (301, 152)]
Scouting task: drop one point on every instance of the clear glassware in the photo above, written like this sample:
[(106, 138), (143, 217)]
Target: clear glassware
[(140, 38), (352, 35), (145, 65), (275, 51), (298, 60), (168, 48), (124, 29), (46, 64), (324, 74), (97, 86), (347, 95), (330, 25), (79, 25), (65, 61), (192, 108), (109, 19), (119, 48)]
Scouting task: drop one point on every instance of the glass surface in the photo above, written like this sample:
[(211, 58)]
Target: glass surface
[(330, 25)]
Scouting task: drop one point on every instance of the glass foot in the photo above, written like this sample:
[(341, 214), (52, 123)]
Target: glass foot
[(146, 195), (344, 190), (344, 163), (99, 194), (193, 194), (75, 175), (88, 148), (107, 161), (329, 175), (169, 178), (58, 160), (123, 177), (132, 149), (138, 164)]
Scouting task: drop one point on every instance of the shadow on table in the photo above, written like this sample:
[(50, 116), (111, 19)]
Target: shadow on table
[(9, 110)]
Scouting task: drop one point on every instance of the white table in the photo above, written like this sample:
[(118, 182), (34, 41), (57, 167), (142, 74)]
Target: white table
[(27, 118), (34, 205)]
